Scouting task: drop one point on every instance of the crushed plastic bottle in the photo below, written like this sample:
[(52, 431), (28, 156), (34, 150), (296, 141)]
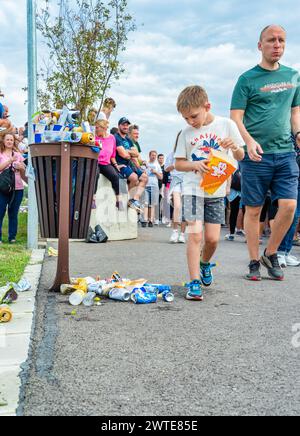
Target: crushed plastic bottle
[(89, 299), (77, 297), (23, 286)]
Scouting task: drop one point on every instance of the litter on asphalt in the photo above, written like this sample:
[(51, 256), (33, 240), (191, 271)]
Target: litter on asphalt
[(87, 291)]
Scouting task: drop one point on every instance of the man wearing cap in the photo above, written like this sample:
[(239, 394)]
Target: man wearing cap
[(126, 152)]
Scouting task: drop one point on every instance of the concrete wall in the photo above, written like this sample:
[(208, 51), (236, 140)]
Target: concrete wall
[(117, 225)]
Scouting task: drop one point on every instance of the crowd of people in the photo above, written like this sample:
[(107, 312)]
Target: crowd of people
[(263, 135), (261, 199)]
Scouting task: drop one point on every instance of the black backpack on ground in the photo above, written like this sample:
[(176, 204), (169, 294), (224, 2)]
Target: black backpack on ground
[(96, 236)]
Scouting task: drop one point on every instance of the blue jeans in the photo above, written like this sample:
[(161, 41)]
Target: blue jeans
[(13, 211), (287, 244)]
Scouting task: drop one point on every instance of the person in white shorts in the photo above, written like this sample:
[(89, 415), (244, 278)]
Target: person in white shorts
[(175, 198)]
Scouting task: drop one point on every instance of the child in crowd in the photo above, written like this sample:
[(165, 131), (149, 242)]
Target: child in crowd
[(11, 158), (205, 132)]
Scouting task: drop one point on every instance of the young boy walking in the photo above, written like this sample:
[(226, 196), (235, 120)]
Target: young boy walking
[(205, 132)]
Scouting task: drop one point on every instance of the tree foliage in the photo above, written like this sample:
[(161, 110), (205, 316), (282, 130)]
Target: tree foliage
[(84, 41)]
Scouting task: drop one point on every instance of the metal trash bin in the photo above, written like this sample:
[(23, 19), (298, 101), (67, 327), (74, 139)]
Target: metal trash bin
[(46, 160)]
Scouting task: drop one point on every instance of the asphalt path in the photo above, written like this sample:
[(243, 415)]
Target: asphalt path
[(234, 354)]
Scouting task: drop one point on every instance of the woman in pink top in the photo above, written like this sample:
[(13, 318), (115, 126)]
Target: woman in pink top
[(107, 159), (11, 157)]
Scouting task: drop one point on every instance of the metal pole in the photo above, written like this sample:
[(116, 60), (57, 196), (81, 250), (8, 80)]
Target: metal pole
[(32, 228)]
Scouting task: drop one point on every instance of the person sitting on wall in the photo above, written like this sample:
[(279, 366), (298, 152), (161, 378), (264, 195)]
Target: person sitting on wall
[(107, 163)]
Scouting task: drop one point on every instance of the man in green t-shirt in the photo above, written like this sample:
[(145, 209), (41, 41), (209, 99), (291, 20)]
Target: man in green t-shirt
[(266, 107)]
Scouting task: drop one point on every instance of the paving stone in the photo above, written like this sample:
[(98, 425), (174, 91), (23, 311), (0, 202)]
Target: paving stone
[(9, 389), (20, 323), (15, 349)]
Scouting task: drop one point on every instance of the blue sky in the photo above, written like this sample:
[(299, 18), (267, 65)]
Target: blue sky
[(178, 43)]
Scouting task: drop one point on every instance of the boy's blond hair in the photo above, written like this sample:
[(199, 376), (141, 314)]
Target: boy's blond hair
[(191, 97)]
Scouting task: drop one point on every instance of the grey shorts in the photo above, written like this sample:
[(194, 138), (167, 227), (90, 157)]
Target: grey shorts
[(207, 210), (151, 196), (214, 210), (192, 208)]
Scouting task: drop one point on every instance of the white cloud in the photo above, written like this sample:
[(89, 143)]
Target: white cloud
[(13, 14)]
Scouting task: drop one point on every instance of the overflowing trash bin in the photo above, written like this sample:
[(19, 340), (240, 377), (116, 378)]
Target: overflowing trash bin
[(64, 158), (47, 163)]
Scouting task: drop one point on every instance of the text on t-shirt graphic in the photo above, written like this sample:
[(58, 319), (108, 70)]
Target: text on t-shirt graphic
[(277, 87)]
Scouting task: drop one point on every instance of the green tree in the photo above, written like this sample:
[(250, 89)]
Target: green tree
[(84, 42)]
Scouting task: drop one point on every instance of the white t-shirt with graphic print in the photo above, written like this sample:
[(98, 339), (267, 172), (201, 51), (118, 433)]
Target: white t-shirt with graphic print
[(196, 144)]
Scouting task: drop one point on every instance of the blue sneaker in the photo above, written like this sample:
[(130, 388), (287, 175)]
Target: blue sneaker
[(194, 291), (207, 277), (135, 205)]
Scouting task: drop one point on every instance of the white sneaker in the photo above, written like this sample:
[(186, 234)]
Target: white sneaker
[(156, 222), (291, 260), (175, 236), (282, 260), (181, 238)]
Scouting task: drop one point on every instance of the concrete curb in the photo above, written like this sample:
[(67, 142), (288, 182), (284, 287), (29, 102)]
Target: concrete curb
[(15, 338)]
